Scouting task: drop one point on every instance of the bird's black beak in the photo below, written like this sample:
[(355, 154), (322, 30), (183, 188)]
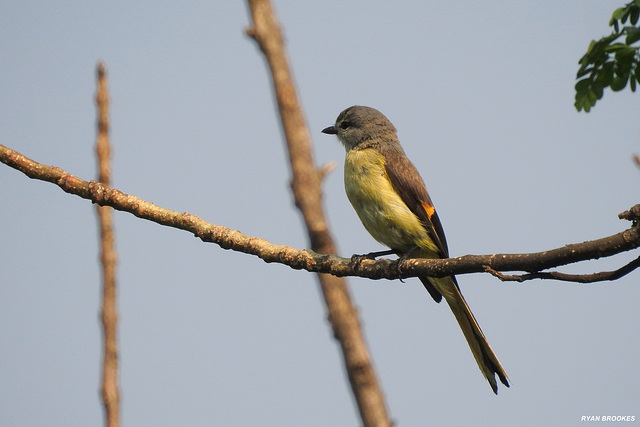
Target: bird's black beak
[(330, 130)]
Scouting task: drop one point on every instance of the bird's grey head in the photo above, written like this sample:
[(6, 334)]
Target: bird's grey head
[(358, 125)]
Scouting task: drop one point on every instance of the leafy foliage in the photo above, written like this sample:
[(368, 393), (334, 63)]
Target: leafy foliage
[(608, 63)]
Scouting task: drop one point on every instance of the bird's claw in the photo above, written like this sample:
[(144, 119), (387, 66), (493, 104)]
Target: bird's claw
[(357, 259), (405, 256)]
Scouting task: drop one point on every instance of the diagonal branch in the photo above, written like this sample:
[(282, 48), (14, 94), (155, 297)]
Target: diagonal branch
[(307, 192), (321, 263)]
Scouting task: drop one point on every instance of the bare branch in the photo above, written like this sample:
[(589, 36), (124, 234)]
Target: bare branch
[(579, 278), (321, 263), (110, 393), (531, 262), (306, 187)]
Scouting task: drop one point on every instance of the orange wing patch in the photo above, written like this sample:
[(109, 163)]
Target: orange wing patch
[(429, 209)]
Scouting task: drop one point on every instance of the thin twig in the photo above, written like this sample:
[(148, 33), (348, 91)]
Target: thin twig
[(110, 393), (579, 278), (306, 187)]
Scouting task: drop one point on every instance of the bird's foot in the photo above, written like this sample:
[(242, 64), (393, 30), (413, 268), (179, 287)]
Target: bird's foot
[(357, 259), (405, 256), (371, 255)]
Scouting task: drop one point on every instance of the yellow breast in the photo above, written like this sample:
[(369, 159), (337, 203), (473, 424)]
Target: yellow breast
[(381, 210)]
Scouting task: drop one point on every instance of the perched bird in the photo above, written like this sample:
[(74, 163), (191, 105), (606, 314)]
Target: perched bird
[(392, 202)]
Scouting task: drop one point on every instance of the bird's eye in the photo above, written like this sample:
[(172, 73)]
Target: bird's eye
[(345, 125)]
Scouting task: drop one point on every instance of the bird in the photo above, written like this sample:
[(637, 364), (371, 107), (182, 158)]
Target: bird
[(392, 202)]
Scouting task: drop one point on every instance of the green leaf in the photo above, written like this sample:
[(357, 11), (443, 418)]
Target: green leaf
[(598, 47), (619, 48), (624, 62), (582, 103), (584, 70), (592, 45), (635, 14), (605, 75), (633, 35), (617, 15), (615, 26), (632, 84), (597, 89), (583, 85), (619, 82)]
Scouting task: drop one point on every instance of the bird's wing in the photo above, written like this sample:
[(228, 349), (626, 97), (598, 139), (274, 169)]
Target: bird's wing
[(409, 185)]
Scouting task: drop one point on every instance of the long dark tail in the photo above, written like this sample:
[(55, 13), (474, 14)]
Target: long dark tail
[(485, 357)]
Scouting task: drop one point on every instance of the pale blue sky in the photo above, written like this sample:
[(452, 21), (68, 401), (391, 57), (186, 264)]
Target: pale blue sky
[(482, 96)]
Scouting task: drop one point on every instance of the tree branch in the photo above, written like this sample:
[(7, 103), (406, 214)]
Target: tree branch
[(110, 393), (579, 278), (307, 192), (321, 263)]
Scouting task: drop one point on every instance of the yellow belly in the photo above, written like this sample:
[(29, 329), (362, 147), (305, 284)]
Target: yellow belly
[(381, 210)]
